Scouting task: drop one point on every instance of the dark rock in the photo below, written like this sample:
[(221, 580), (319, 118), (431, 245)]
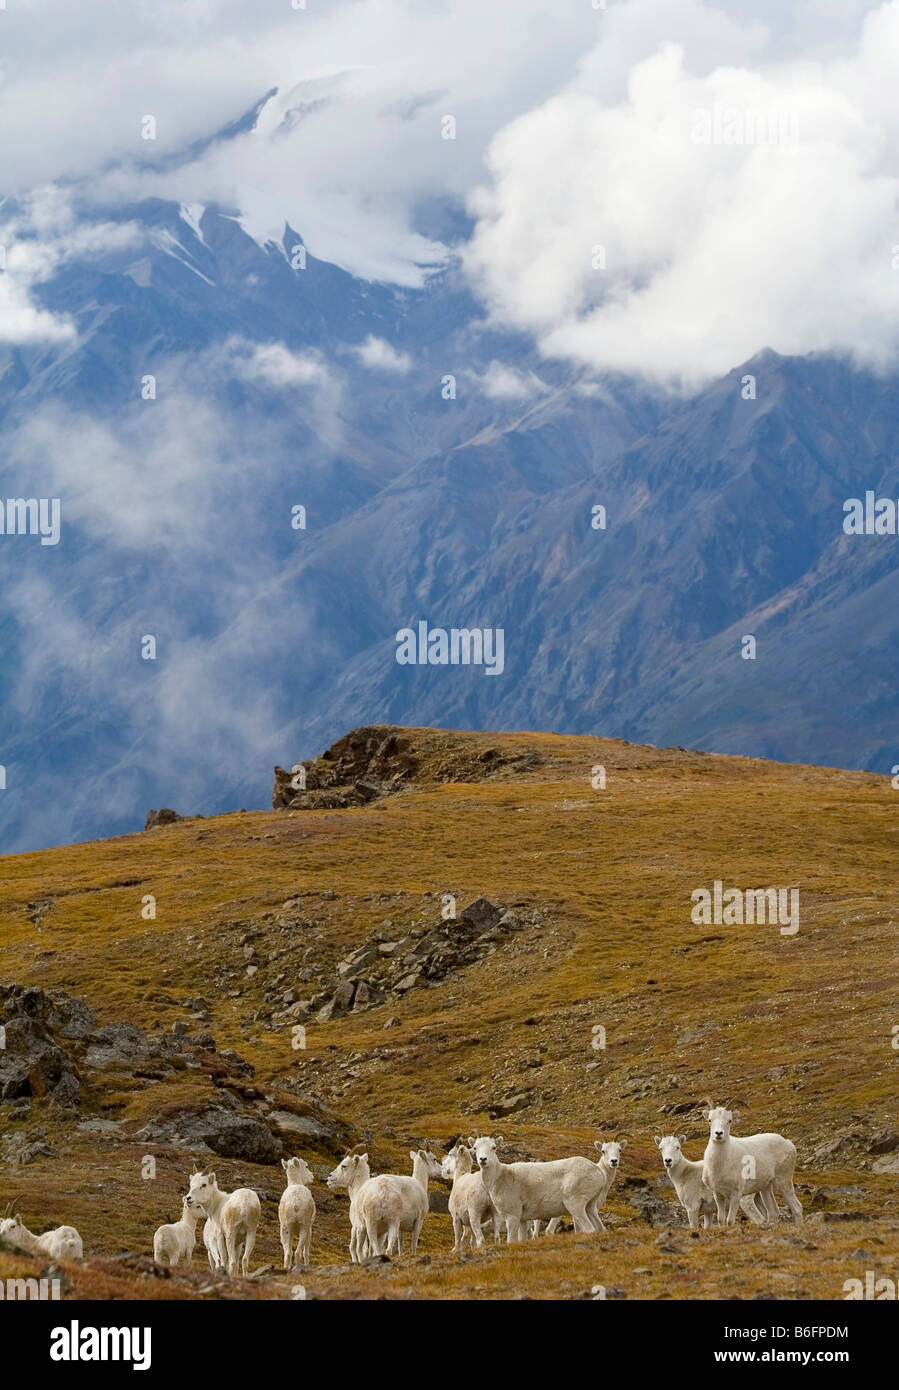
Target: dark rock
[(164, 816), (509, 1105), (222, 1127), (482, 914), (884, 1142)]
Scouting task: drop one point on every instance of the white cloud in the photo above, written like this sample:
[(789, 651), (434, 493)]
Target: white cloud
[(36, 241), (505, 383), (381, 356), (712, 251)]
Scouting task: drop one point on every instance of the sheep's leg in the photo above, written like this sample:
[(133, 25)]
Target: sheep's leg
[(721, 1207), (413, 1239), (374, 1239), (693, 1218), (756, 1213), (231, 1250), (512, 1229), (593, 1213), (579, 1216), (770, 1205), (787, 1194), (733, 1207)]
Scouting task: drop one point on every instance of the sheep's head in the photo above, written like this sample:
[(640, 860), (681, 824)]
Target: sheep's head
[(10, 1227), (298, 1171), (347, 1170), (669, 1146), (720, 1121), (610, 1151), (458, 1160), (201, 1187), (485, 1151), (431, 1161)]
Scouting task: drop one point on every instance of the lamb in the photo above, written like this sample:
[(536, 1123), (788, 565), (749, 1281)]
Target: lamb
[(469, 1202), (175, 1242), (607, 1165), (526, 1192), (762, 1163), (237, 1213), (63, 1243), (393, 1203), (351, 1175), (296, 1212), (686, 1179)]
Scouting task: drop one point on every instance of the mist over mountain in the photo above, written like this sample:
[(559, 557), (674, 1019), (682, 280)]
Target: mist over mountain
[(271, 461)]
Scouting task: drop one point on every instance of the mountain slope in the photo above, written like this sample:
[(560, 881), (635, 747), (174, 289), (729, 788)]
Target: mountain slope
[(254, 910)]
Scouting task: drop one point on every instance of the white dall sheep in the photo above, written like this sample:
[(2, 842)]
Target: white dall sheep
[(392, 1203), (175, 1242), (351, 1175), (63, 1243), (607, 1164), (237, 1213), (732, 1168), (296, 1212), (686, 1179), (526, 1192), (469, 1200)]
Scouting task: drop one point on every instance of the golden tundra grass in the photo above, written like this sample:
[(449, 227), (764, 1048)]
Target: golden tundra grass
[(796, 1032)]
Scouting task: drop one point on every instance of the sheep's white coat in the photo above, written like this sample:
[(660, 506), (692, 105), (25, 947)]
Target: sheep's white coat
[(392, 1203), (296, 1212), (762, 1163), (175, 1242), (686, 1179), (526, 1192), (63, 1243), (351, 1175), (236, 1213), (469, 1200)]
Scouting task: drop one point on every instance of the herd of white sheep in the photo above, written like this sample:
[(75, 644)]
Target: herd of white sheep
[(511, 1198)]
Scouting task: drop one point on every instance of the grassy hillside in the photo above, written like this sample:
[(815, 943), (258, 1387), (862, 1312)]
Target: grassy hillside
[(793, 1031)]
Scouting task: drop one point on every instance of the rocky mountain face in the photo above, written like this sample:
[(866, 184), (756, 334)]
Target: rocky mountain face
[(466, 508)]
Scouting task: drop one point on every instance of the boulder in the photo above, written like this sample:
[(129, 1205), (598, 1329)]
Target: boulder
[(221, 1126), (164, 816)]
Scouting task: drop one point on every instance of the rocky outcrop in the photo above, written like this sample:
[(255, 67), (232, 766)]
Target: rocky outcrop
[(222, 1126), (164, 816), (382, 968), (381, 759), (360, 767), (51, 1045)]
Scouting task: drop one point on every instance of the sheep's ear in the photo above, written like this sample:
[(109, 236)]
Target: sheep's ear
[(597, 1144), (211, 1177), (284, 1164), (705, 1113), (413, 1154), (362, 1158), (471, 1141), (499, 1140), (682, 1139), (657, 1140), (734, 1116), (622, 1143)]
